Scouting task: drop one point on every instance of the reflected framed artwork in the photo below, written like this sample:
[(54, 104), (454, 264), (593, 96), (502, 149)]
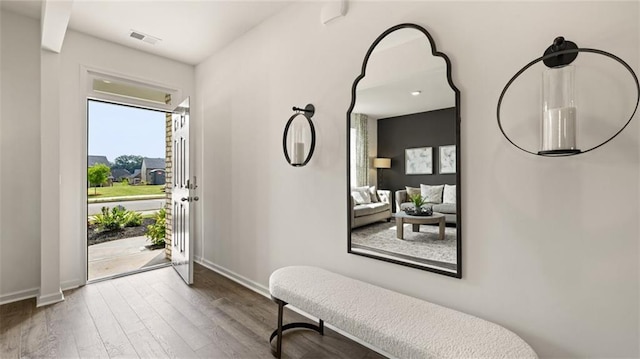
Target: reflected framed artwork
[(447, 159), (419, 161)]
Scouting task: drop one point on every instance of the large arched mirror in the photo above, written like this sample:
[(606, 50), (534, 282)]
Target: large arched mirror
[(404, 155)]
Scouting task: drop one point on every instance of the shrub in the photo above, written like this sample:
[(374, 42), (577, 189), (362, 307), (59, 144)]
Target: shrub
[(117, 218), (156, 231), (125, 181), (109, 220), (132, 219)]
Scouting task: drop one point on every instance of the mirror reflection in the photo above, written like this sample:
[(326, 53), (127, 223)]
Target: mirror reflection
[(404, 175)]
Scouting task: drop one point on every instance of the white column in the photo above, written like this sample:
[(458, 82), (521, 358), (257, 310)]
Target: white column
[(0, 145), (50, 291)]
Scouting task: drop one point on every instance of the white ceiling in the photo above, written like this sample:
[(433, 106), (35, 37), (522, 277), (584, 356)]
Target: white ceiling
[(190, 31), (400, 64), (29, 8), (395, 99)]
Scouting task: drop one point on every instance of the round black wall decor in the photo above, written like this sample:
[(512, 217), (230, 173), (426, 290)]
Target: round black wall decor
[(560, 54), (298, 149)]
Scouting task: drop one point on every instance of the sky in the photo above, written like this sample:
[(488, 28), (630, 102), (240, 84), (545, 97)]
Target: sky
[(116, 130)]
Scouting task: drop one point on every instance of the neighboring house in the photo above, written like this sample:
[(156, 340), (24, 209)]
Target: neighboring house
[(136, 177), (156, 176), (153, 164), (117, 174), (92, 160)]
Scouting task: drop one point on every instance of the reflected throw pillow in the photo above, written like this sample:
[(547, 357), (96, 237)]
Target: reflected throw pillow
[(361, 195), (412, 191), (432, 194), (373, 193), (449, 195)]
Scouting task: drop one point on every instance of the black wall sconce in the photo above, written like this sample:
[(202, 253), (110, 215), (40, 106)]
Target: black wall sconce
[(299, 139), (559, 109)]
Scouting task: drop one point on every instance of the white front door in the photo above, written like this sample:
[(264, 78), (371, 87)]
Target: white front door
[(181, 195)]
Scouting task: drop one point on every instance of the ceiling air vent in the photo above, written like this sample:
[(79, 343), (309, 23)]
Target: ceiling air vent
[(143, 37), (136, 35)]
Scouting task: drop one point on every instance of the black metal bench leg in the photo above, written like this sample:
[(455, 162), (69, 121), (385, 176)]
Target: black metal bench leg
[(281, 328), (281, 305)]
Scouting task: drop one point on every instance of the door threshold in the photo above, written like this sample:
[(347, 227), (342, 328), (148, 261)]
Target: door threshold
[(141, 270)]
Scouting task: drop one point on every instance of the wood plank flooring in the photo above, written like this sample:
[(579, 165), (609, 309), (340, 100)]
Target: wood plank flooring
[(155, 315)]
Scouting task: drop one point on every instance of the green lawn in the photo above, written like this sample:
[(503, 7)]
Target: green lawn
[(120, 190)]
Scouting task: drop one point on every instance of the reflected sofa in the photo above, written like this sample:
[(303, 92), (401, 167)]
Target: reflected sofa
[(362, 214), (448, 209)]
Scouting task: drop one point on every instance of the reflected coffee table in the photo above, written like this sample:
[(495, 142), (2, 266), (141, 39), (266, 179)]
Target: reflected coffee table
[(416, 221)]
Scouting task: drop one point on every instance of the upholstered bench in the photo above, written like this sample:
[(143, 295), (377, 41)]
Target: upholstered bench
[(402, 326)]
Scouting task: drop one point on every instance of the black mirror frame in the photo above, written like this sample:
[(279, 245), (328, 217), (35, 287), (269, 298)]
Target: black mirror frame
[(434, 52)]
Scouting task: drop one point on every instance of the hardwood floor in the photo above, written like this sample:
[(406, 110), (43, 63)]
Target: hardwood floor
[(155, 315)]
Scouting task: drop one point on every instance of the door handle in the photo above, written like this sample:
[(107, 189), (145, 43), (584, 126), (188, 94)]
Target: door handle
[(189, 199), (196, 198), (184, 199), (192, 184)]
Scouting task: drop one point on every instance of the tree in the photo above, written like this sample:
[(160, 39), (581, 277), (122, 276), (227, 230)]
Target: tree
[(128, 162), (97, 175)]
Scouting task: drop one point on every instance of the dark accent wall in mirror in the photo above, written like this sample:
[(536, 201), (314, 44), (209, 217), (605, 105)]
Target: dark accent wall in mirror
[(437, 128), (405, 107)]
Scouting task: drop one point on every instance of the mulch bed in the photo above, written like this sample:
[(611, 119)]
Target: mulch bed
[(128, 232)]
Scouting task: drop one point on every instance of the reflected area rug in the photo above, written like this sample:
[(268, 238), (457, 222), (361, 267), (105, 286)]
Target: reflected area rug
[(423, 247)]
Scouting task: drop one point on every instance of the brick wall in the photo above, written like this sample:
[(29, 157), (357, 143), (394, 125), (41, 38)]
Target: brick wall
[(168, 185)]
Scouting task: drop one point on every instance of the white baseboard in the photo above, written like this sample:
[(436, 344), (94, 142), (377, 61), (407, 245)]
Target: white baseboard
[(19, 295), (262, 290), (70, 284), (51, 298), (242, 280), (33, 293)]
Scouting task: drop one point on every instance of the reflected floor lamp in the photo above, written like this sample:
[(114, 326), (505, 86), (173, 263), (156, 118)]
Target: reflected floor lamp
[(381, 163)]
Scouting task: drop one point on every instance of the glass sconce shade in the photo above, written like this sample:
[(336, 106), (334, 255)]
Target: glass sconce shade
[(558, 111), (297, 144), (299, 137)]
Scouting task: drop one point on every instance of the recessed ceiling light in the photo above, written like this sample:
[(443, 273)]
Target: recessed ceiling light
[(416, 93)]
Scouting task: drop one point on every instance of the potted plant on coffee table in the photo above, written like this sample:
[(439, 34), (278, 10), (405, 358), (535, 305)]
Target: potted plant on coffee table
[(419, 207)]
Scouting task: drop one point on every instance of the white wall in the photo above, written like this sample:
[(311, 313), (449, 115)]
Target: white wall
[(550, 246), (81, 50), (50, 179), (638, 127), (19, 156), (1, 51), (20, 142)]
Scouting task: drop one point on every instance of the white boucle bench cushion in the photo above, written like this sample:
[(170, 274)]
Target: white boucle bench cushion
[(403, 326)]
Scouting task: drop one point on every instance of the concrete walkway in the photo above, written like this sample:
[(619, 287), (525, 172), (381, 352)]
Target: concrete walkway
[(121, 256)]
